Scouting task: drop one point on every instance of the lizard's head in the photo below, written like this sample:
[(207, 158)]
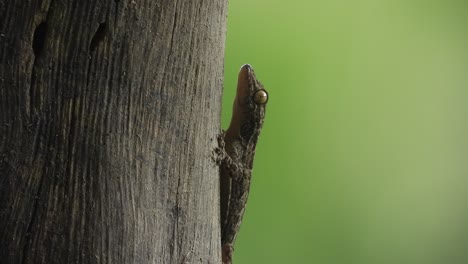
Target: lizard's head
[(249, 105)]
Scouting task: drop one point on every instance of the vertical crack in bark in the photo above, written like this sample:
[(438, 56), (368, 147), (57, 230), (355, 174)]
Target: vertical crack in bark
[(169, 54), (176, 211), (98, 36), (173, 245), (38, 43), (116, 8), (33, 215), (32, 87), (39, 38), (173, 28), (37, 47)]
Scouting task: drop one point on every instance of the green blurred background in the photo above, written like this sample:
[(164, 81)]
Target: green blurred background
[(363, 155)]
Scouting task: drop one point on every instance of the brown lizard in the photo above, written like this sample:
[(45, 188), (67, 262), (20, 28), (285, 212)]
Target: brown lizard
[(237, 147)]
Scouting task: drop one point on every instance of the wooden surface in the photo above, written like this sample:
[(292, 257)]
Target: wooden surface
[(109, 112)]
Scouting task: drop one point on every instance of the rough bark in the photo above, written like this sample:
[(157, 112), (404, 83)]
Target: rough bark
[(109, 112)]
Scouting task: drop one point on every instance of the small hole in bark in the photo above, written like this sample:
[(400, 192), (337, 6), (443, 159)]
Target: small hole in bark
[(98, 36), (39, 38), (116, 1)]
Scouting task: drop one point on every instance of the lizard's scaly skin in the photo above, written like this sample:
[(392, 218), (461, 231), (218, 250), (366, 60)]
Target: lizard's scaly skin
[(239, 142)]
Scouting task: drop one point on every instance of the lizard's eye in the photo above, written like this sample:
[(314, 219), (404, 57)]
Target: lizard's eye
[(260, 97)]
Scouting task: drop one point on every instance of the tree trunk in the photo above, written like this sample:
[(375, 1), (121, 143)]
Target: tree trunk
[(109, 112)]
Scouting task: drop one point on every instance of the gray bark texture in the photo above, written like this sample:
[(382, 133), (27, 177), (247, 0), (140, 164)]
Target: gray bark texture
[(109, 113)]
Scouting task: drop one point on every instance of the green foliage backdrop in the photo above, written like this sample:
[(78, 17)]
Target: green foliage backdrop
[(364, 153)]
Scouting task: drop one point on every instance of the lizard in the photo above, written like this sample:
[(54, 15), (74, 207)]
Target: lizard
[(237, 149)]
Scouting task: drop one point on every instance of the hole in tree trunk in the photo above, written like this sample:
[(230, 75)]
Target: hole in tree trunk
[(39, 38), (98, 37)]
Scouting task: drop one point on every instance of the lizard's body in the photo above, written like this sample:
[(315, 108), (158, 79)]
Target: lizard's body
[(239, 142)]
